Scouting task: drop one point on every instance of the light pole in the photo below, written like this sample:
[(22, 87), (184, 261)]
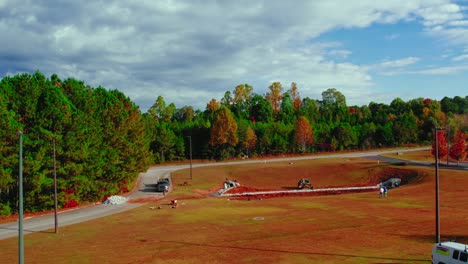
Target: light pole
[(190, 140)]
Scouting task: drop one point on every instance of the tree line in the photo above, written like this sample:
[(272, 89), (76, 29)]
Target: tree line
[(103, 140), (99, 136)]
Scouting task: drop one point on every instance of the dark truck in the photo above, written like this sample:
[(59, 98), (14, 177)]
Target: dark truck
[(163, 185)]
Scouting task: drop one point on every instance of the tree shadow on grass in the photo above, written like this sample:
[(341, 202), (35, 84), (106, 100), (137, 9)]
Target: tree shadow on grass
[(404, 260)]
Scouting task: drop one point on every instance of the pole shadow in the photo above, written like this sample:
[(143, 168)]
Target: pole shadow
[(373, 258)]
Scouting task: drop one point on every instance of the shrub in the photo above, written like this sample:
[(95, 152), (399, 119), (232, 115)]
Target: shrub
[(5, 210), (70, 204)]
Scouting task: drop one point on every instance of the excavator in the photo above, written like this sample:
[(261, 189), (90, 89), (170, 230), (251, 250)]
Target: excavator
[(304, 183)]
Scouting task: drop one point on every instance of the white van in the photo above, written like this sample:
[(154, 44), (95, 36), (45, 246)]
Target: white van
[(449, 252)]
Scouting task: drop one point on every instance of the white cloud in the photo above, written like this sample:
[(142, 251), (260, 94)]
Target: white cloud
[(460, 58), (440, 14), (398, 63), (443, 70), (457, 36), (340, 53), (192, 51), (458, 23)]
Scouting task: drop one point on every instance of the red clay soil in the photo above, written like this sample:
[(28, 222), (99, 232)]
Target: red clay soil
[(405, 175), (351, 228)]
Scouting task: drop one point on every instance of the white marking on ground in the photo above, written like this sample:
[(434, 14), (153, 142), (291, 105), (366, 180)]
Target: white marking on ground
[(304, 191)]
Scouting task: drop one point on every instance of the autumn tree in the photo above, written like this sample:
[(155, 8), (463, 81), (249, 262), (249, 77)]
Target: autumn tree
[(275, 95), (223, 134), (248, 139), (441, 145), (211, 108), (458, 150), (304, 135), (295, 96), (242, 93), (213, 105)]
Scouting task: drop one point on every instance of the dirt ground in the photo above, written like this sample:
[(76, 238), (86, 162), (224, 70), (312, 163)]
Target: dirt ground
[(344, 228)]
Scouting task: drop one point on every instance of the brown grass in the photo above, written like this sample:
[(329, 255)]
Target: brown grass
[(348, 228), (423, 155)]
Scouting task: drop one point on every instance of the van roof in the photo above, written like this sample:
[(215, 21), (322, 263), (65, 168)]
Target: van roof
[(454, 245)]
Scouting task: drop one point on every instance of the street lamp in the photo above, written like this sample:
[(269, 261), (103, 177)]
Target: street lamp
[(190, 140)]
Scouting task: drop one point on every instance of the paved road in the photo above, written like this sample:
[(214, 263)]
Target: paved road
[(46, 223)]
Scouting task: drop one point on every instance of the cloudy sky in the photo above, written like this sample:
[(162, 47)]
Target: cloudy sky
[(192, 51)]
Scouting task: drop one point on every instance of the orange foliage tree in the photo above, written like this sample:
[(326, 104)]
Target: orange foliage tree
[(223, 133), (304, 135), (458, 150), (250, 140), (295, 96), (213, 105), (275, 95), (441, 143)]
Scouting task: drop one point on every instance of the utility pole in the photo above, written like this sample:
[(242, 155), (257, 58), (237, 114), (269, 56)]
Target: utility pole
[(437, 227), (190, 139), (448, 143), (20, 209), (55, 192)]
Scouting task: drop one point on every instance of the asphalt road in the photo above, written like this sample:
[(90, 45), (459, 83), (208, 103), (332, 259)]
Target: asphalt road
[(46, 223)]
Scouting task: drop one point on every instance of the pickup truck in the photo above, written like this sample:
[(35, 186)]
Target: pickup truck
[(163, 185)]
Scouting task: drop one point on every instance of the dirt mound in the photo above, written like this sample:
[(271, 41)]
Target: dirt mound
[(405, 175), (245, 189), (286, 194)]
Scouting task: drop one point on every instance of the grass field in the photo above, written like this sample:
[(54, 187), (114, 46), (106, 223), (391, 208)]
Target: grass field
[(347, 228), (413, 155)]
